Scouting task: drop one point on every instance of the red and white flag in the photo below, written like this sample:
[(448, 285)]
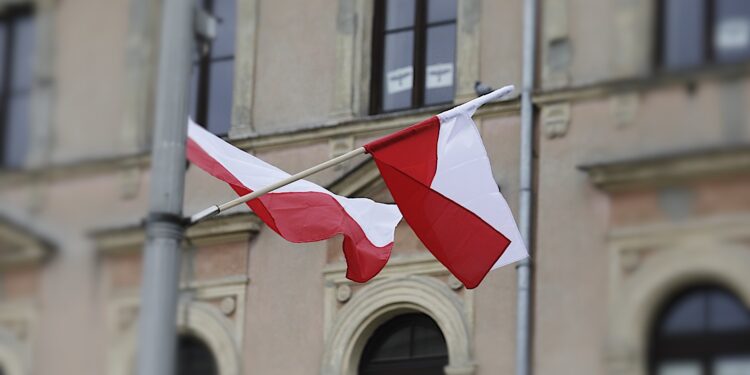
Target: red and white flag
[(301, 211), (439, 175)]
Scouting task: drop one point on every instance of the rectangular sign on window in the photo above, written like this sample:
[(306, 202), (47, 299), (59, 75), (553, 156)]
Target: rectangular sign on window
[(398, 80), (733, 34), (736, 365), (439, 75), (680, 368)]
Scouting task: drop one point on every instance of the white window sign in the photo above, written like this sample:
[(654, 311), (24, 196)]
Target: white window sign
[(732, 34), (398, 80), (439, 75), (680, 368), (732, 366)]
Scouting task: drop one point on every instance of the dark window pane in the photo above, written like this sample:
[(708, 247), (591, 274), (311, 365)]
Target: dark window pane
[(398, 72), (441, 10), (726, 313), (3, 50), (194, 357), (223, 44), (684, 33), (406, 344), (428, 340), (16, 131), (220, 97), (687, 315), (23, 47), (731, 40), (439, 71), (399, 13), (394, 345), (193, 100)]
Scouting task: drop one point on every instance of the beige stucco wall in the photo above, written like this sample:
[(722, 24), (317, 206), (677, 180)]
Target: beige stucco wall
[(90, 57), (296, 63), (291, 286), (574, 218)]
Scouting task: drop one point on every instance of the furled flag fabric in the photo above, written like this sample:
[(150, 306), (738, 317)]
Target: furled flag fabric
[(301, 211), (439, 175)]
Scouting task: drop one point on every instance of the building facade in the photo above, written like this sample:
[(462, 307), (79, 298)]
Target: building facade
[(641, 244)]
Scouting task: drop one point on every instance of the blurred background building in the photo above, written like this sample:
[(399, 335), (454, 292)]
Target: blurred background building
[(642, 186)]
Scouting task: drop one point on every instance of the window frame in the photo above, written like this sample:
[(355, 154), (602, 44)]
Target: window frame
[(708, 54), (419, 55), (10, 16), (369, 363), (202, 100), (683, 348)]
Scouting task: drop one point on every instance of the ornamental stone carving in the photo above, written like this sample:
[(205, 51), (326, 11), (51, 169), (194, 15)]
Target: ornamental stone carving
[(386, 298)]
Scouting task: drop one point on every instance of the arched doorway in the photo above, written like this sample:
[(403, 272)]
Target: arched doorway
[(407, 344), (194, 357), (703, 330)]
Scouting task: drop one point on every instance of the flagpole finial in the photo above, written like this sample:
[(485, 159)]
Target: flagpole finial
[(495, 95), (471, 106)]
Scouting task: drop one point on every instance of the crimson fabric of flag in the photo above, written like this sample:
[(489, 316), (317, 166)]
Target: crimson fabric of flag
[(301, 211), (440, 177)]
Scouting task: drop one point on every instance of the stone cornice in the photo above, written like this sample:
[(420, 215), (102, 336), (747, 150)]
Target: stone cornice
[(225, 228), (660, 170), (419, 264), (654, 81), (366, 126), (22, 245), (362, 181)]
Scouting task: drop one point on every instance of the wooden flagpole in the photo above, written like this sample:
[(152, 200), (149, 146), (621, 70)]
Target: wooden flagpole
[(216, 209)]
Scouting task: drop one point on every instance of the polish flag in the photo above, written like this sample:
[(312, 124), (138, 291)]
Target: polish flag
[(439, 175), (301, 211)]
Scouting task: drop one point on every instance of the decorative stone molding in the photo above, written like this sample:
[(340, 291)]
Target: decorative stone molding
[(555, 120), (21, 243), (339, 146), (16, 334), (363, 127), (244, 69), (662, 170), (11, 357), (343, 293), (41, 134), (633, 38), (223, 228), (140, 75), (624, 107), (670, 257), (351, 93), (197, 314), (468, 25), (557, 50), (386, 298), (733, 111), (362, 181)]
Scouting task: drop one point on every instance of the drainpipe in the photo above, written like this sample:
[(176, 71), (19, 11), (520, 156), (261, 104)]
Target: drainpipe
[(157, 336), (523, 322)]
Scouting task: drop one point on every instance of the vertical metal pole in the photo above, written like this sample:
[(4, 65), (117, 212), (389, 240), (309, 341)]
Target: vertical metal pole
[(523, 323), (164, 231)]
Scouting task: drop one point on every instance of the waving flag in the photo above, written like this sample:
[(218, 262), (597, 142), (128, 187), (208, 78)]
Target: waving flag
[(301, 211), (439, 175)]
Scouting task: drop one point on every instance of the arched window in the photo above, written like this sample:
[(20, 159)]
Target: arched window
[(194, 357), (407, 344), (702, 331)]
